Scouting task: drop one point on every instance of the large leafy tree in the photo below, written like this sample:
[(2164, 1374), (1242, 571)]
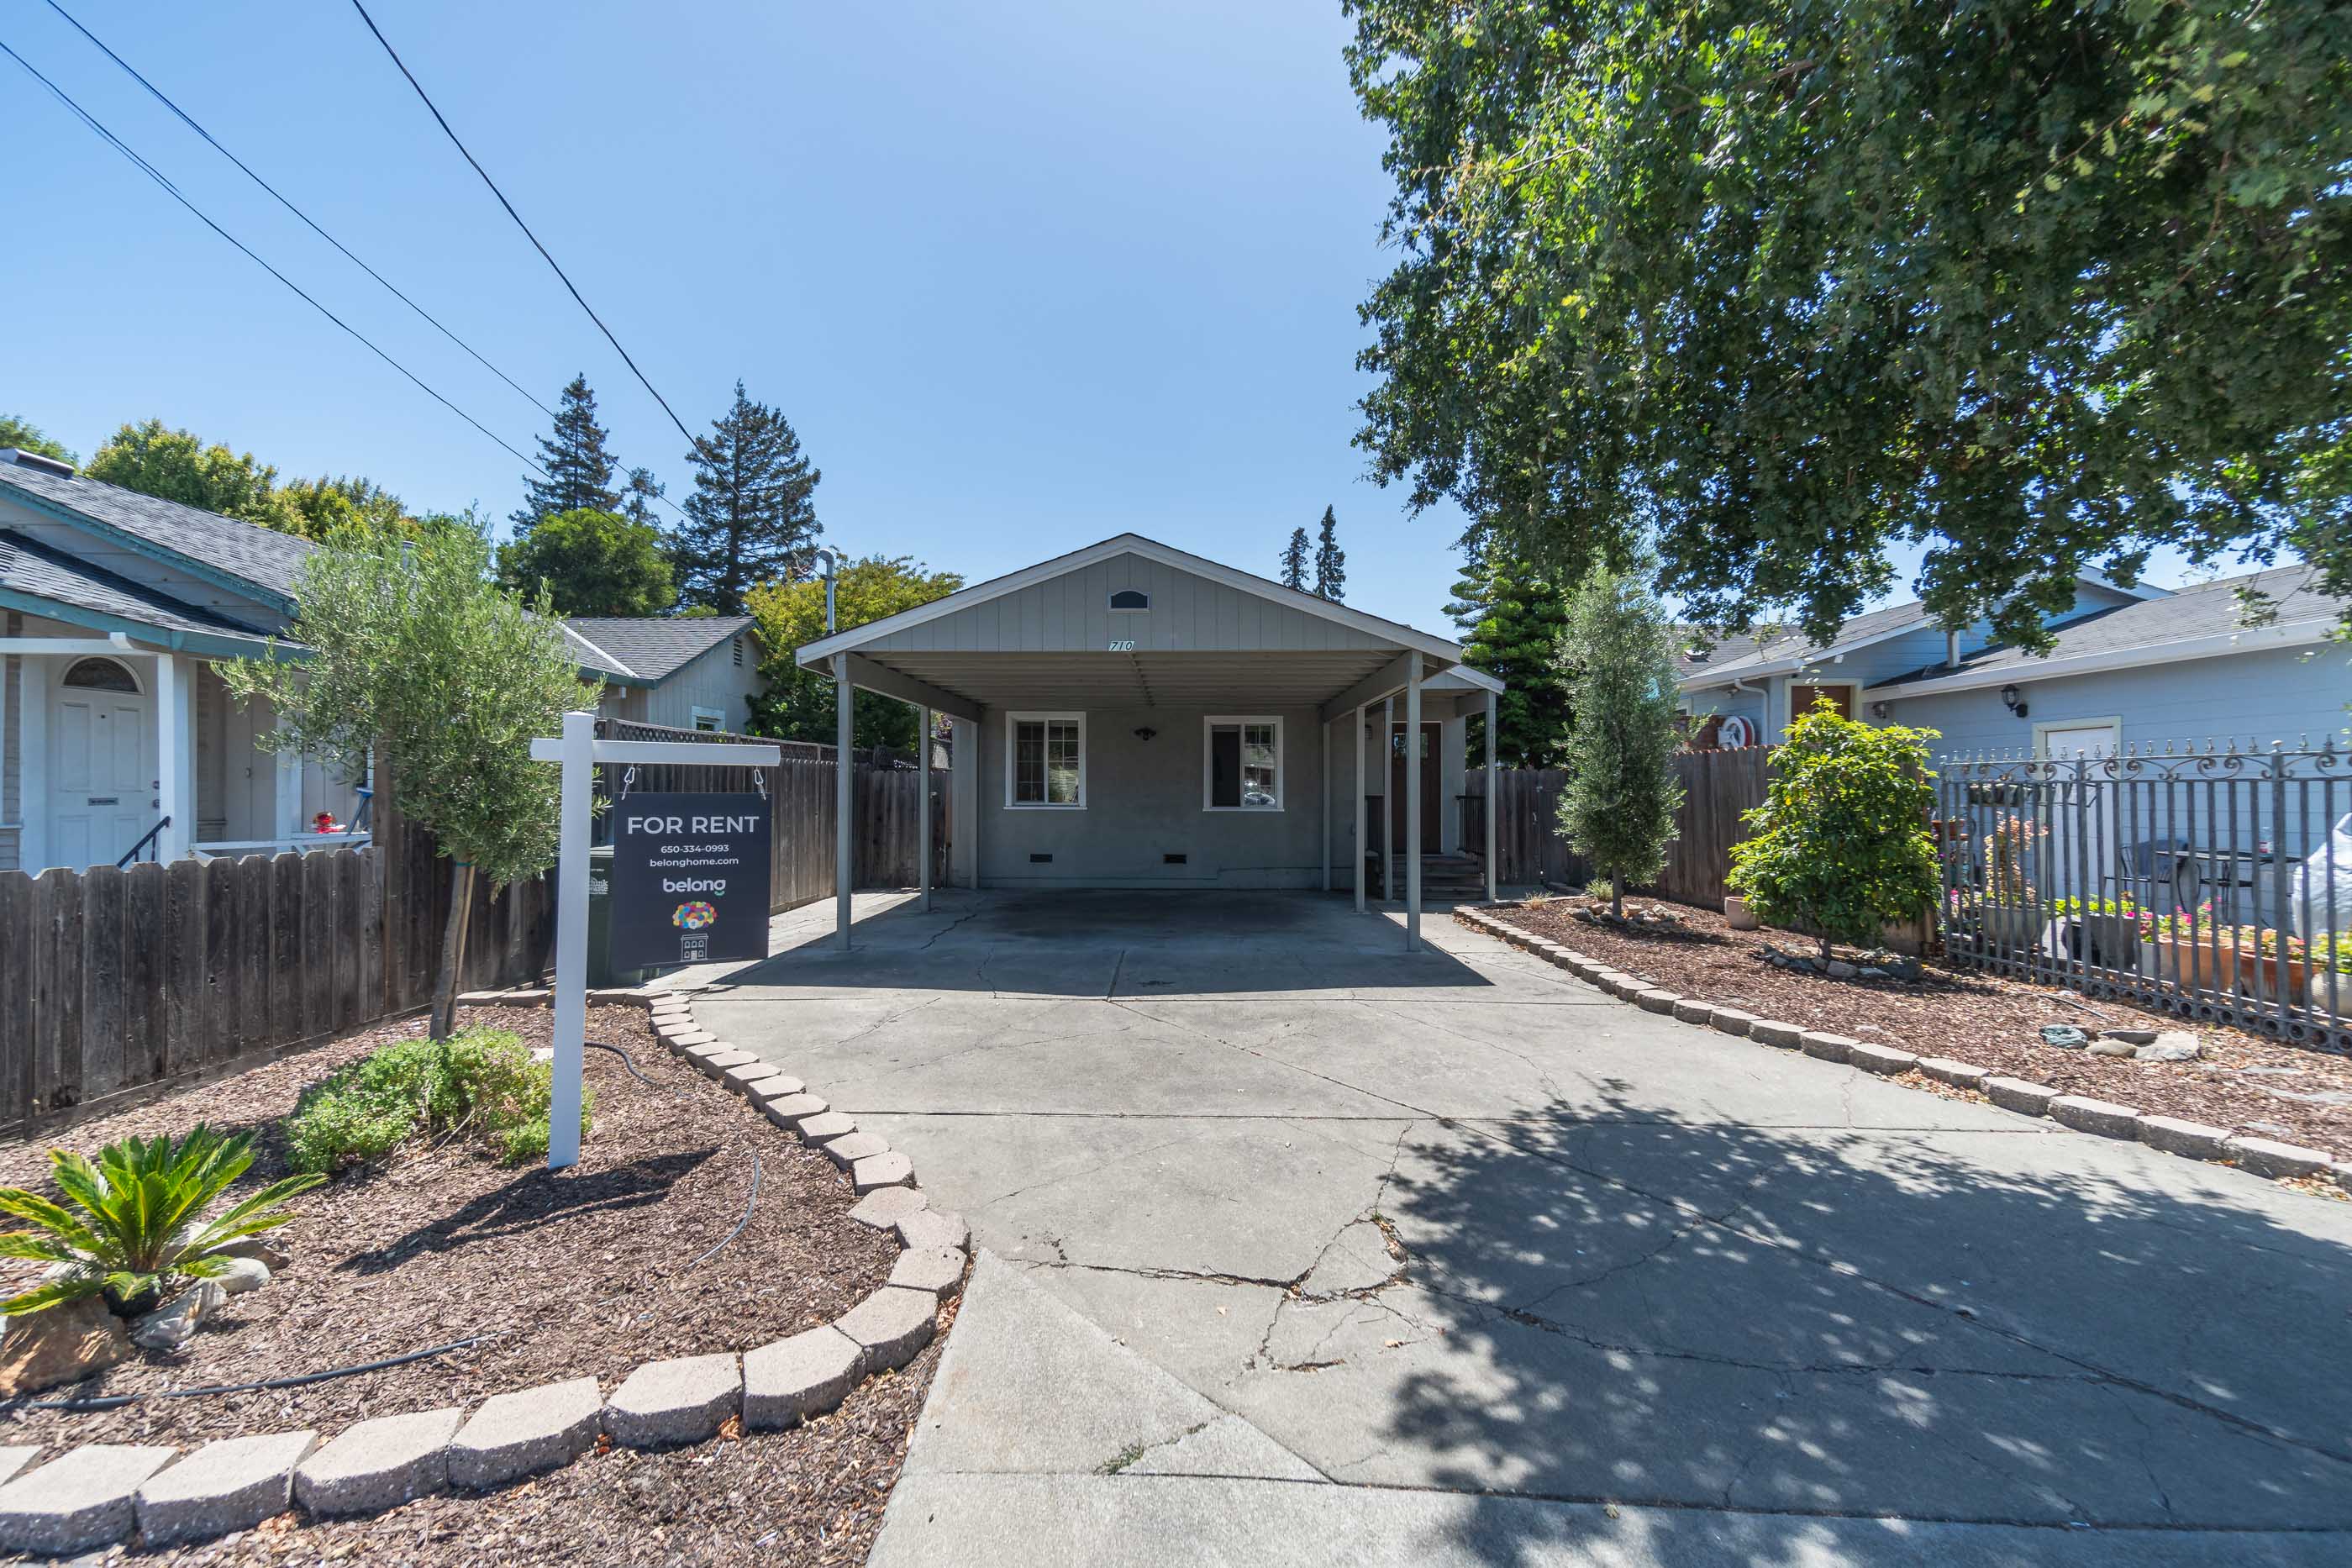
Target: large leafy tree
[(752, 516), (325, 506), (591, 563), (799, 705), (1294, 556), (2039, 285), (414, 650), (176, 465), (26, 436), (1512, 618), (578, 464), (1618, 808)]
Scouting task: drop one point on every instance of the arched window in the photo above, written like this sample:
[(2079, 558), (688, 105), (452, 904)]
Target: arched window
[(1130, 599), (101, 675)]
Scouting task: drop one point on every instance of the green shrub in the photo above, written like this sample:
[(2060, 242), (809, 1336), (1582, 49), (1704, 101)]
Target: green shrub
[(478, 1082), (141, 1230), (1842, 843)]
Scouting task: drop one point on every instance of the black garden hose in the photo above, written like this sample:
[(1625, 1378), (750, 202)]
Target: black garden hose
[(627, 1060), (117, 1401)]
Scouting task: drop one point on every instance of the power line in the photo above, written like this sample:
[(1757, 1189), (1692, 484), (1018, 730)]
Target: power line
[(173, 190), (161, 98), (543, 250)]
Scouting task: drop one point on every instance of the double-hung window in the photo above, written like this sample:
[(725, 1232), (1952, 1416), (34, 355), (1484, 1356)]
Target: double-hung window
[(1242, 770), (1046, 760)]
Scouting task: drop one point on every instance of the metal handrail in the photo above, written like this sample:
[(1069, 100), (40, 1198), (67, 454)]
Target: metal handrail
[(144, 840)]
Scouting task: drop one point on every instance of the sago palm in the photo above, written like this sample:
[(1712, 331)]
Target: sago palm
[(139, 1228)]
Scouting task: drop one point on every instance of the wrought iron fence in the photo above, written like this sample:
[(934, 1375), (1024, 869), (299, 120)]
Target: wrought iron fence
[(2214, 883)]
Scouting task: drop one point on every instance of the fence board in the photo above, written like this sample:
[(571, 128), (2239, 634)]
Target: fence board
[(187, 993), (145, 955), (101, 981), (16, 999)]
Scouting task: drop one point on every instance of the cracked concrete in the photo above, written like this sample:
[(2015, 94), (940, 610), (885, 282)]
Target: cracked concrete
[(1338, 1255)]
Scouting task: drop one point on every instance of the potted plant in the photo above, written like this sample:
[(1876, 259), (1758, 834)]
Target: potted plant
[(2189, 948), (2263, 954), (2328, 987), (1736, 912), (2109, 932), (2010, 913)]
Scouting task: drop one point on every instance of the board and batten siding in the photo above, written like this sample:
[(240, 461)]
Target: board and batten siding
[(710, 680), (1072, 614)]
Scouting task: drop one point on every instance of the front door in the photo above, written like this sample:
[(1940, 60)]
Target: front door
[(2080, 845), (1430, 808), (1802, 697), (101, 765)]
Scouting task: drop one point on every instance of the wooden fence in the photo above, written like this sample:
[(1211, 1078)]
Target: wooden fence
[(1717, 785), (117, 979)]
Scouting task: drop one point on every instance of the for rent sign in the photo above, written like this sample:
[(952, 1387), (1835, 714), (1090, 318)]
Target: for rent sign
[(689, 879)]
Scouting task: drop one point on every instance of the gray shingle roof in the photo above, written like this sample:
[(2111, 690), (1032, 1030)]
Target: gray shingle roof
[(2200, 610), (656, 646), (262, 557), (1732, 655), (28, 566)]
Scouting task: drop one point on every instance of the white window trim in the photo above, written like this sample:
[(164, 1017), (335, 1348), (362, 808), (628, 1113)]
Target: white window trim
[(1013, 722), (2043, 727), (1209, 724), (718, 717)]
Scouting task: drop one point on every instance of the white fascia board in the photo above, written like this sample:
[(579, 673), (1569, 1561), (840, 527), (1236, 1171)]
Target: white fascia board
[(813, 656), (1732, 674), (2248, 639), (868, 676), (1461, 675)]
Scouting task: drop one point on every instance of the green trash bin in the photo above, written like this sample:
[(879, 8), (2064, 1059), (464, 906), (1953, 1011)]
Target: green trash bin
[(602, 975)]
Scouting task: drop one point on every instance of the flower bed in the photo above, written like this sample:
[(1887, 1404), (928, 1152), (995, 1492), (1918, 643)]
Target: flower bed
[(582, 1273), (2243, 1082)]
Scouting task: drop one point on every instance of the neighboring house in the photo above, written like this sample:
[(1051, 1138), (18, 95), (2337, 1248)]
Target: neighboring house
[(2138, 666), (1129, 715), (117, 735), (690, 672)]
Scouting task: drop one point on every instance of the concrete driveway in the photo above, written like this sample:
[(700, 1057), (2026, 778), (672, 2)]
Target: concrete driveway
[(1296, 1248)]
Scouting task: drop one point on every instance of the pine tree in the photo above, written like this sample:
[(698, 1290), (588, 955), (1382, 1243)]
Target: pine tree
[(1512, 617), (579, 465), (1294, 560), (751, 519), (639, 495), (1330, 561), (1618, 809)]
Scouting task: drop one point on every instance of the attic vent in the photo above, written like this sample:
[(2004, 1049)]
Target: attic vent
[(739, 650), (1130, 599), (1041, 859), (1171, 860)]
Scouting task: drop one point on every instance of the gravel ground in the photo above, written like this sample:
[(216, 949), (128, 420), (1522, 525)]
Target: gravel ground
[(2244, 1082), (584, 1272)]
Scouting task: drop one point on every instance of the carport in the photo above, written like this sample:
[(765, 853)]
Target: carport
[(1132, 716)]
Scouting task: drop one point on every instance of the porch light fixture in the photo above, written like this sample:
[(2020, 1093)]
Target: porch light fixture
[(1145, 733), (2009, 700)]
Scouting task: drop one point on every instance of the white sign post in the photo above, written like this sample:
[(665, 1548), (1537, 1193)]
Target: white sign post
[(579, 751)]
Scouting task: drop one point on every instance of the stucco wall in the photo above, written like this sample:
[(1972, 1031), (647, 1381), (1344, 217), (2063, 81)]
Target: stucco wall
[(2270, 695), (1144, 802)]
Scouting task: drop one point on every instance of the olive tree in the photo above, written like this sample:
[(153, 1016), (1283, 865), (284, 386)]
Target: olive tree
[(1618, 808), (411, 648)]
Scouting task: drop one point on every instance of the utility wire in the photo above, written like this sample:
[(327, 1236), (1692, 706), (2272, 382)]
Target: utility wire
[(173, 190), (519, 223), (161, 98)]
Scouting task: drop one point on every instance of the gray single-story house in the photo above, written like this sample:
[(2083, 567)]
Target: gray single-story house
[(2130, 666), (689, 672), (1130, 715)]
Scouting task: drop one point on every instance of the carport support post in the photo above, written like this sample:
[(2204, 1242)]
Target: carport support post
[(1325, 776), (1413, 805), (1494, 779), (1388, 800), (923, 803), (1357, 731), (844, 792)]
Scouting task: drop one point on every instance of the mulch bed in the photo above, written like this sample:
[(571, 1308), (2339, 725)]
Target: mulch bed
[(581, 1273), (2244, 1082)]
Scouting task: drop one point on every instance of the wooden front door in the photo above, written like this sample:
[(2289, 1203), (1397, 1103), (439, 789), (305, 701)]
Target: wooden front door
[(1802, 697), (1430, 806)]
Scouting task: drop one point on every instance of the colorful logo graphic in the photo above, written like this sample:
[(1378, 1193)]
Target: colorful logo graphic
[(694, 916)]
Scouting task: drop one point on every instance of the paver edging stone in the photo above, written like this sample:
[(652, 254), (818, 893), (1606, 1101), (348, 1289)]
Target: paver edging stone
[(2168, 1134), (431, 1451)]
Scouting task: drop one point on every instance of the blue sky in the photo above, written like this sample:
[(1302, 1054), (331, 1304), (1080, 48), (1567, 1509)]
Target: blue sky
[(1023, 277)]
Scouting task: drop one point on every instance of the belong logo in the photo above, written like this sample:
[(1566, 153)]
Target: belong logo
[(715, 886)]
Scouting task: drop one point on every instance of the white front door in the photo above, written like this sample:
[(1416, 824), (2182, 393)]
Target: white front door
[(102, 773)]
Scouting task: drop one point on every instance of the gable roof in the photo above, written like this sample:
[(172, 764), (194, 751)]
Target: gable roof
[(245, 556), (44, 580), (1265, 588), (2201, 620), (651, 648)]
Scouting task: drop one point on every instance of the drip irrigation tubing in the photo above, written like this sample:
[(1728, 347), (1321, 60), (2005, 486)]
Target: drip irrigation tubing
[(117, 1401), (748, 1204), (627, 1060)]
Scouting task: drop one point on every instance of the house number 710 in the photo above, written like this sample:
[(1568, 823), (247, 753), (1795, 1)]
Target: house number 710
[(1124, 645)]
